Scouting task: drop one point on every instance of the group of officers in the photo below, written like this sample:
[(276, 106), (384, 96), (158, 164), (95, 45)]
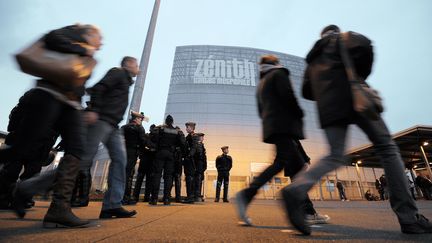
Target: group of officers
[(166, 151)]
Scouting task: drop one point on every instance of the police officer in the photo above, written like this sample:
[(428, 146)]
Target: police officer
[(147, 156), (193, 163), (166, 138), (200, 160), (223, 166), (135, 138), (188, 163)]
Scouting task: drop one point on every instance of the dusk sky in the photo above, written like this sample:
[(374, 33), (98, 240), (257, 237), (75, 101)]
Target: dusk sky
[(400, 30)]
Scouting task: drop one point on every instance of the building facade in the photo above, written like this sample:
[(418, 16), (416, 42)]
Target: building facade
[(215, 87)]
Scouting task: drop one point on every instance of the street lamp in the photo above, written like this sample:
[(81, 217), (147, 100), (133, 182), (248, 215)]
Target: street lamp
[(359, 177), (425, 143)]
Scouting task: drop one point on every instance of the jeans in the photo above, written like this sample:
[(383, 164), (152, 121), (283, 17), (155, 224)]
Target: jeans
[(400, 198), (112, 138)]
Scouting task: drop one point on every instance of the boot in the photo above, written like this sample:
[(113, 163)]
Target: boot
[(59, 214)]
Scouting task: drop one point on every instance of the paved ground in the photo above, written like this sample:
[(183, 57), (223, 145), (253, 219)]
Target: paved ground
[(355, 221)]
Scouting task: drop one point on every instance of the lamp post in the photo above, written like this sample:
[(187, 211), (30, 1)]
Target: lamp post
[(140, 80), (359, 177)]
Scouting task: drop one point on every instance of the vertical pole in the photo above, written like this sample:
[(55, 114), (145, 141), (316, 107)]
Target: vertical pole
[(360, 181), (140, 80)]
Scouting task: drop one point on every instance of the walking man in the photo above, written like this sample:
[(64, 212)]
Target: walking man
[(283, 126), (325, 81), (108, 103)]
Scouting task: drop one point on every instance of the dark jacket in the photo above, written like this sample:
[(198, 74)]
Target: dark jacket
[(325, 79), (110, 96), (167, 138), (135, 137), (277, 106), (223, 163), (65, 40)]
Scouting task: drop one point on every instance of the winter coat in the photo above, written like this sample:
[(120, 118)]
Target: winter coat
[(277, 106), (110, 96), (325, 79)]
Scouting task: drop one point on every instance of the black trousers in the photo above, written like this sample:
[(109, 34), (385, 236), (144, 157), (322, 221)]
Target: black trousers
[(189, 170), (198, 176), (145, 169), (223, 177), (164, 162), (45, 114), (178, 170), (287, 155), (132, 157)]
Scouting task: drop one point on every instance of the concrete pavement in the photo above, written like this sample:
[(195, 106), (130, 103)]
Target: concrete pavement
[(354, 221)]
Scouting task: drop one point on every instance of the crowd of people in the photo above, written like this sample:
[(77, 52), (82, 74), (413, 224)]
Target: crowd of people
[(53, 109)]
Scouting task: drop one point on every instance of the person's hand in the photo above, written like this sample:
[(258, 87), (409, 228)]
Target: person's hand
[(90, 117)]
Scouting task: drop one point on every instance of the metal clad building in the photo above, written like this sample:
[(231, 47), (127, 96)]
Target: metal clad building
[(215, 87)]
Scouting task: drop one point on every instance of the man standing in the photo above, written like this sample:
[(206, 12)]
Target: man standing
[(223, 166), (178, 161), (135, 139), (326, 82), (108, 103), (188, 162), (166, 138)]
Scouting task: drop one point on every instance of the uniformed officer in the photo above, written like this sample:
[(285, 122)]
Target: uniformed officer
[(135, 139), (223, 166), (166, 139)]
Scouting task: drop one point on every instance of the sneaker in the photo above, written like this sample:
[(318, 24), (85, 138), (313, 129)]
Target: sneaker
[(241, 204), (421, 226), (294, 209), (317, 218)]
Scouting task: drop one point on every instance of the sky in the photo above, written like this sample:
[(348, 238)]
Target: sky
[(400, 30)]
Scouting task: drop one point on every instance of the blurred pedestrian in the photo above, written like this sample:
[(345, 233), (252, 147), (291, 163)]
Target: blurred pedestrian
[(108, 103), (52, 106), (282, 123), (326, 82)]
